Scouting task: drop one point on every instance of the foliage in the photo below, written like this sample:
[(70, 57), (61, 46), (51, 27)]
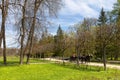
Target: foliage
[(84, 37), (116, 11), (102, 18), (58, 42)]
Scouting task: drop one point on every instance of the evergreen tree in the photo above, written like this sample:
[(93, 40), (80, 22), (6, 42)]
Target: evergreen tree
[(102, 20), (58, 42), (102, 36), (60, 33)]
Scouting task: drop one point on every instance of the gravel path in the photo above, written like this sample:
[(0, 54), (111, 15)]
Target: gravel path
[(91, 63), (108, 65)]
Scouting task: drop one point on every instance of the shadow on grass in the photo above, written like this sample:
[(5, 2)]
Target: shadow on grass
[(9, 63), (16, 62), (81, 67), (37, 60)]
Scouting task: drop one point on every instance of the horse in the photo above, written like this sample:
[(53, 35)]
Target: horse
[(84, 58)]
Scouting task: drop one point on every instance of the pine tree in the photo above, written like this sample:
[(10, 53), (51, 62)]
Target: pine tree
[(102, 20), (58, 42), (102, 35)]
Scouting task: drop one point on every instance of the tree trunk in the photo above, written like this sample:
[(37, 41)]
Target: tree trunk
[(4, 42), (1, 37), (30, 38), (116, 56), (104, 57), (4, 15), (21, 50), (111, 57), (22, 32), (63, 59), (31, 32), (77, 51)]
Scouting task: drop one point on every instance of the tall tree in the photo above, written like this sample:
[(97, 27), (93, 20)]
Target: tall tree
[(61, 43), (58, 40), (22, 30), (41, 8), (102, 20), (4, 9), (32, 28), (103, 35), (22, 23)]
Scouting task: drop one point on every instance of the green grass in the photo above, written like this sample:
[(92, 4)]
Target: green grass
[(12, 60), (52, 71)]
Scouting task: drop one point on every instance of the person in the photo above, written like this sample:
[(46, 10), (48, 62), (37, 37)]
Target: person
[(73, 57)]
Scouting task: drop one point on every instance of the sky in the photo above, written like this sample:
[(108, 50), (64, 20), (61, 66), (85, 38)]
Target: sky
[(72, 12)]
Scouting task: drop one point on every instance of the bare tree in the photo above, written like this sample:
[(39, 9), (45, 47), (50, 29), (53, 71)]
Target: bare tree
[(22, 30), (4, 9), (39, 6), (21, 22)]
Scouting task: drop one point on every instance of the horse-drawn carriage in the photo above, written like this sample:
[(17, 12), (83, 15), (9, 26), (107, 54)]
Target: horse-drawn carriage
[(82, 59)]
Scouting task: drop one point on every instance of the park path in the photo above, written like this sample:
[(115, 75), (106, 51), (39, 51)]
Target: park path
[(91, 63), (108, 65)]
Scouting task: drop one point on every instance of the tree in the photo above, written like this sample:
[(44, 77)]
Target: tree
[(58, 42), (103, 35), (61, 43), (102, 20), (43, 47), (22, 29), (40, 7), (116, 40), (116, 11), (33, 17), (84, 38), (23, 23), (116, 20), (4, 9)]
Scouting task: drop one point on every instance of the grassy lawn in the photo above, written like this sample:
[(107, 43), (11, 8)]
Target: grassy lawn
[(15, 60), (51, 71)]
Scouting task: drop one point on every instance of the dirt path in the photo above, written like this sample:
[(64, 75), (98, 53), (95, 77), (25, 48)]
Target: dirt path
[(108, 65), (92, 63)]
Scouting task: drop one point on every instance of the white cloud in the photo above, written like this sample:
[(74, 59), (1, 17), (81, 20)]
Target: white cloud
[(73, 7), (74, 11), (108, 5), (83, 7)]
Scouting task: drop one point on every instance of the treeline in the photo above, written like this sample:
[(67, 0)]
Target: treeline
[(99, 38)]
